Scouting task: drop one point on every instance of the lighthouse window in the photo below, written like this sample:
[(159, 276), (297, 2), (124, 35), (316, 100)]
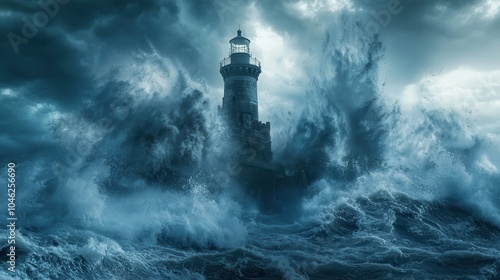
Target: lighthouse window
[(241, 46), (240, 49)]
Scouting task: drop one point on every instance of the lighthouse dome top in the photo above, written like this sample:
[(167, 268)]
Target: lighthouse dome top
[(239, 53), (239, 44)]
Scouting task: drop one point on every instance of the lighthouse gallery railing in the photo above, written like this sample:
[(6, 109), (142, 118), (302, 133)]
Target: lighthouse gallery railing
[(226, 61)]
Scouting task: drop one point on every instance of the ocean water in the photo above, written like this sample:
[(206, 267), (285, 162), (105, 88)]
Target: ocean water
[(140, 189)]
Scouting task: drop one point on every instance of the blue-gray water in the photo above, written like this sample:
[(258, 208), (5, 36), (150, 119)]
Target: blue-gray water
[(377, 236)]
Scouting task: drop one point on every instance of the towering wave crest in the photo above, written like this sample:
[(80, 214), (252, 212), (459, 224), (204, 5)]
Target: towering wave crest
[(354, 141), (341, 132), (131, 163)]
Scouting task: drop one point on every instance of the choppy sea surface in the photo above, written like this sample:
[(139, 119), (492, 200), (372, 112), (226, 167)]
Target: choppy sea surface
[(382, 235)]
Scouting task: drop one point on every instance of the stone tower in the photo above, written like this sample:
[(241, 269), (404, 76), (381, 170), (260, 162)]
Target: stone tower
[(240, 72)]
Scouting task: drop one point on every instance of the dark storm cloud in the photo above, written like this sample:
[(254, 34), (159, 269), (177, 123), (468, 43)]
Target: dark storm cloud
[(62, 65), (434, 34), (23, 135), (48, 66), (277, 13), (418, 34), (57, 66)]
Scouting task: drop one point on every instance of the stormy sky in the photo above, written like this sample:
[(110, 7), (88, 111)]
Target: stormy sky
[(55, 55)]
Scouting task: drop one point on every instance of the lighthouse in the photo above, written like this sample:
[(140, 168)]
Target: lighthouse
[(240, 107), (273, 186)]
